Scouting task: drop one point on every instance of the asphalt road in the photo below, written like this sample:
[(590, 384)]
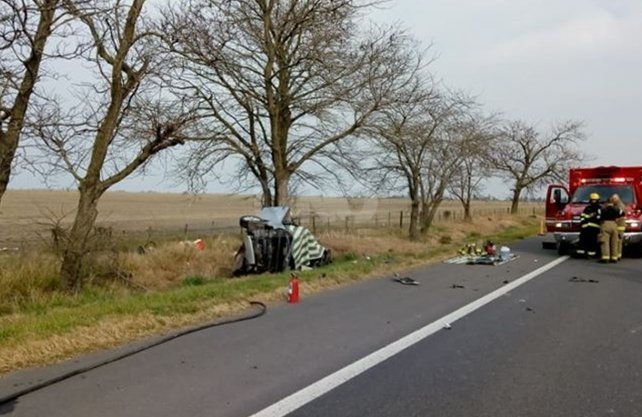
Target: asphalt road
[(548, 348)]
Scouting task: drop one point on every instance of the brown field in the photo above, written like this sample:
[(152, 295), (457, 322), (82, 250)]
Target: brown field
[(27, 216)]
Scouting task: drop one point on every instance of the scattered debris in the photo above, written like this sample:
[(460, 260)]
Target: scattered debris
[(197, 244), (457, 286), (521, 301), (9, 249), (577, 279), (447, 326), (529, 309), (506, 282), (406, 281), (471, 255)]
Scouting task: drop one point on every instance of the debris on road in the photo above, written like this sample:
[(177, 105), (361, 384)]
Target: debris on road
[(583, 280), (457, 286), (406, 281), (530, 310), (506, 282), (447, 326)]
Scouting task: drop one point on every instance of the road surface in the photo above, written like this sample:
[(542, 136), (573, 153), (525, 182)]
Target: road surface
[(548, 347)]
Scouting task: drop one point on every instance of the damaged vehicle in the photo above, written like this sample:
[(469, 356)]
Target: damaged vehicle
[(273, 242)]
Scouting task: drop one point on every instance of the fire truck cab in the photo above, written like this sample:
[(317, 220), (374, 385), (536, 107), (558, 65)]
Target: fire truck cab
[(564, 205)]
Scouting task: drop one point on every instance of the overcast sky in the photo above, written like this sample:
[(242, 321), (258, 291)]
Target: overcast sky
[(540, 61), (543, 61)]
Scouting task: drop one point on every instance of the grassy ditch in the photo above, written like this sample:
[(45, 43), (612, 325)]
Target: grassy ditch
[(132, 296)]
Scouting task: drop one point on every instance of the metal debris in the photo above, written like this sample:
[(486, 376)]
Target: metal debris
[(577, 279)]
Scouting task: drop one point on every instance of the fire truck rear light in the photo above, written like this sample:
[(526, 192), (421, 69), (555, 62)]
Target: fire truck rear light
[(634, 225), (619, 179), (559, 225)]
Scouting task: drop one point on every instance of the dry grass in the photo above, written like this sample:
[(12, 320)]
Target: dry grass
[(169, 263), (39, 324)]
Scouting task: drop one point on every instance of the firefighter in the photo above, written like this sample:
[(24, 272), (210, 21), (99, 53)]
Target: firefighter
[(621, 223), (590, 227), (609, 236)]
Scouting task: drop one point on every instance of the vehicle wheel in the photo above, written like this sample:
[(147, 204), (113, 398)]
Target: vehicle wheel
[(563, 249), (635, 251), (239, 268)]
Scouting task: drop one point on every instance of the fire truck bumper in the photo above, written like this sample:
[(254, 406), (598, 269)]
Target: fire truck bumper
[(567, 237), (630, 238)]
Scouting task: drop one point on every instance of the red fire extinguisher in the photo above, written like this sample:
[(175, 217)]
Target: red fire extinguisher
[(293, 290)]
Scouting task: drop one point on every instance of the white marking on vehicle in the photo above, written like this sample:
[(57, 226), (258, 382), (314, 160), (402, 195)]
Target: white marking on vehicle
[(323, 386)]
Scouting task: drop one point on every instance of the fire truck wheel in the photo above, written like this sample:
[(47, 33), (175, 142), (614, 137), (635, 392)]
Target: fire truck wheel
[(563, 249)]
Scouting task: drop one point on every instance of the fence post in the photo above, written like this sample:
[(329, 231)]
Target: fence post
[(376, 221), (314, 224), (185, 231), (389, 220), (347, 224), (401, 219)]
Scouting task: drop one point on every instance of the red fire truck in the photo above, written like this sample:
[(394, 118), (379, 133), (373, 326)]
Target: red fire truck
[(565, 205)]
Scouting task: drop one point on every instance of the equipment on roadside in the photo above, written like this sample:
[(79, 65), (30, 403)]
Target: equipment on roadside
[(293, 290), (272, 242), (472, 255)]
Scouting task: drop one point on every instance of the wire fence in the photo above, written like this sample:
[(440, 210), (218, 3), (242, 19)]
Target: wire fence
[(316, 222)]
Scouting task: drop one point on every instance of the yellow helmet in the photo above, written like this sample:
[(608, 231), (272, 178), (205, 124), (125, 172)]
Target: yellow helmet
[(595, 196)]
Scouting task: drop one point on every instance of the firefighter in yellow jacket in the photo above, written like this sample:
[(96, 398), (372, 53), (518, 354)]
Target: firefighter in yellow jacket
[(621, 223), (609, 236)]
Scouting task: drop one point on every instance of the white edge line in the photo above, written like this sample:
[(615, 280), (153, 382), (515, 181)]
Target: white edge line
[(317, 389)]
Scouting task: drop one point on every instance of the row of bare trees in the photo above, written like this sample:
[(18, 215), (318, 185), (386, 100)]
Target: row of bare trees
[(440, 144), (284, 91)]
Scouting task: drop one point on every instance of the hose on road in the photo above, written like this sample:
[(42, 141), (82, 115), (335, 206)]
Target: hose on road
[(44, 384)]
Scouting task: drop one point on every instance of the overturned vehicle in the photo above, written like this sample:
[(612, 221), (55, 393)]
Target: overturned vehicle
[(272, 242)]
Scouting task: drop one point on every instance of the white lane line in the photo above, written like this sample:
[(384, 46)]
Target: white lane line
[(317, 389)]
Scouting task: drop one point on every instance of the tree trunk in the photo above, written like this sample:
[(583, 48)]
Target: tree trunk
[(266, 197), (428, 213), (9, 139), (76, 245), (514, 208), (281, 194), (467, 216), (8, 149), (413, 230)]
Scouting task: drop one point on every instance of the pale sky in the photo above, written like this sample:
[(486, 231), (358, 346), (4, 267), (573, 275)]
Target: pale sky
[(540, 61)]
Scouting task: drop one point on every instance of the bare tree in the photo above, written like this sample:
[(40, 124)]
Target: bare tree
[(438, 172), (283, 84), (525, 157), (25, 28), (414, 148), (479, 134), (122, 118)]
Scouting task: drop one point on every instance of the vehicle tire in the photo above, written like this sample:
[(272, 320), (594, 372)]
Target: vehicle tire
[(563, 248), (549, 245), (634, 251)]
